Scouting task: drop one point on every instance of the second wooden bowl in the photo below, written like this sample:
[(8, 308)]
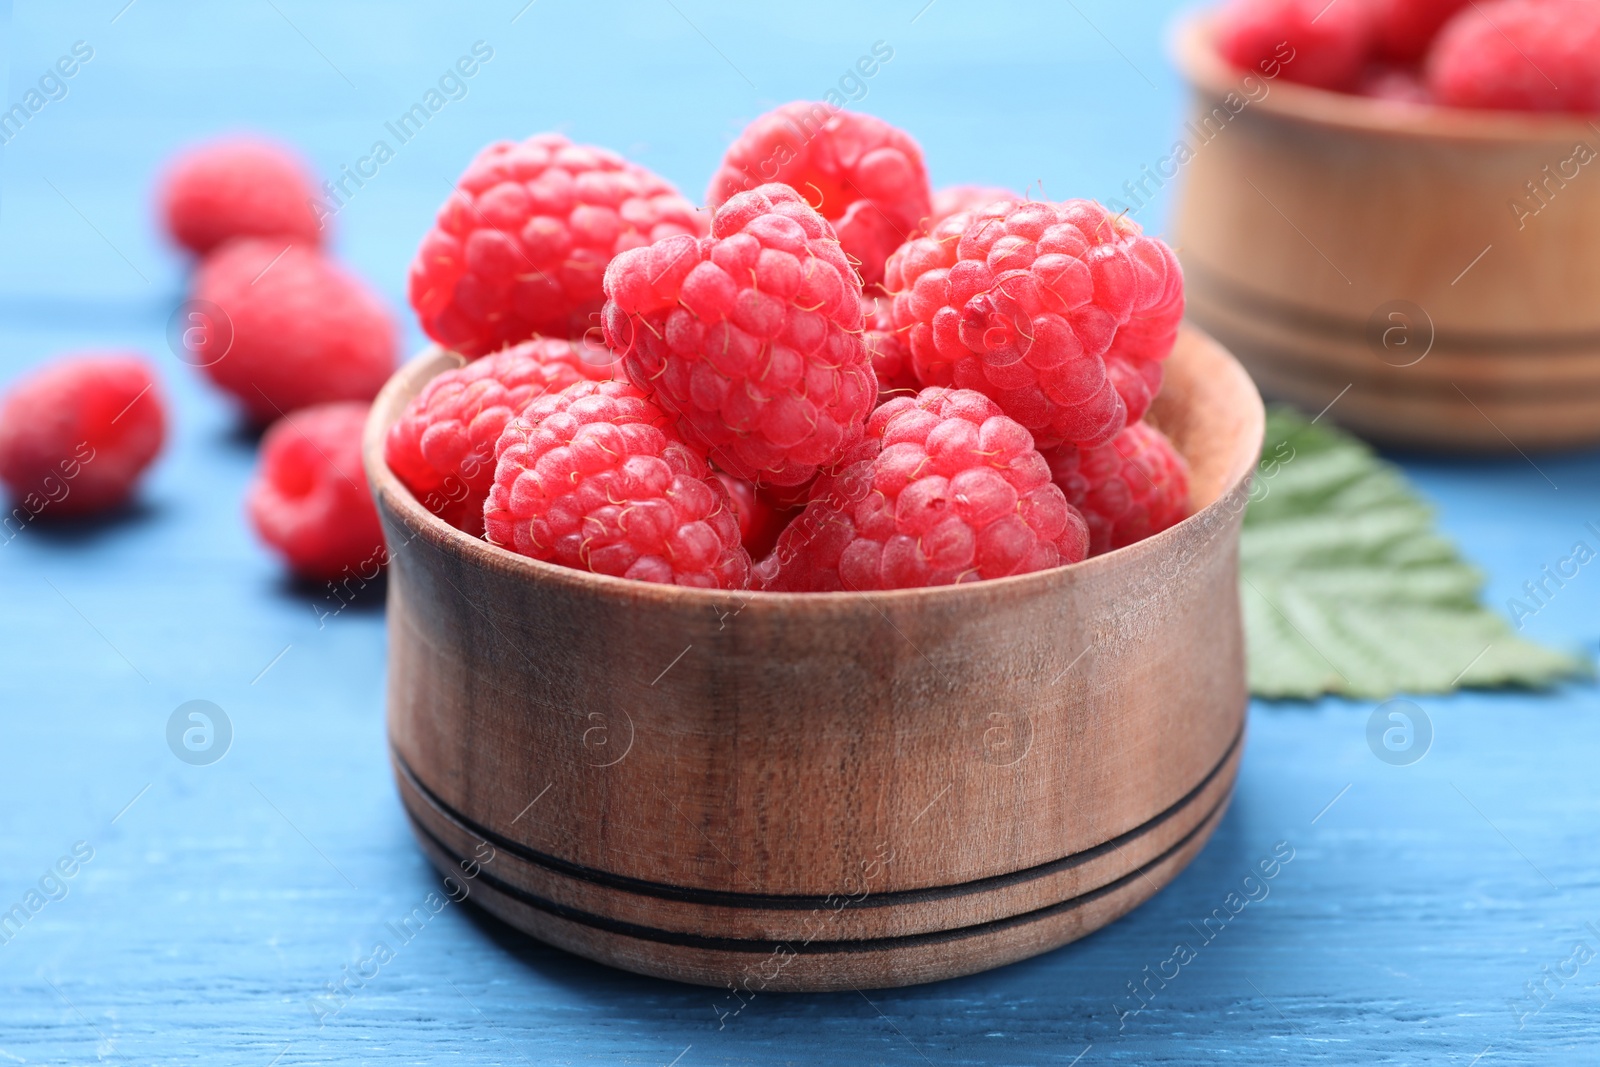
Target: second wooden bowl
[(1443, 265), (771, 791)]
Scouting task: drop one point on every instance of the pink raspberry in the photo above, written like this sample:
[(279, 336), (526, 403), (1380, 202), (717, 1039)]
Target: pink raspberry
[(592, 478), (891, 355), (76, 435), (1405, 28), (309, 500), (297, 329), (943, 489), (1312, 42), (239, 187), (442, 446), (1129, 488), (1035, 304), (751, 337), (521, 246), (862, 174), (957, 198), (760, 520), (1519, 55)]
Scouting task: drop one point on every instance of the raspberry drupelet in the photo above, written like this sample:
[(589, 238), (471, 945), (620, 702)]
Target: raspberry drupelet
[(750, 338), (863, 175), (1127, 489), (760, 519), (521, 246), (309, 500), (1059, 312), (1312, 42), (943, 489), (958, 198), (1519, 55), (593, 478), (238, 187), (891, 356), (442, 446), (297, 329), (76, 435)]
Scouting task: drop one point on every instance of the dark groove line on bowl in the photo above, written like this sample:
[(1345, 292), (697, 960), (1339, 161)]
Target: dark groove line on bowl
[(802, 902), (813, 948)]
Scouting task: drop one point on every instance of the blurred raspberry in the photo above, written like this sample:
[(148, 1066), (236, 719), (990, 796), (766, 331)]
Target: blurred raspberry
[(298, 330), (891, 356), (1133, 486), (943, 489), (592, 478), (1403, 29), (238, 187), (862, 174), (1519, 55), (442, 446), (1313, 42), (1400, 85), (751, 337), (309, 500), (521, 246), (76, 435), (760, 520), (957, 198), (1035, 304)]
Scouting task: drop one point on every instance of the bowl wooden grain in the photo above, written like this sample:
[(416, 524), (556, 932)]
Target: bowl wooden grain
[(823, 791), (1334, 241)]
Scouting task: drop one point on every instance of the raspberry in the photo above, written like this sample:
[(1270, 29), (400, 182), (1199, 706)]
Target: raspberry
[(592, 478), (1405, 28), (1519, 55), (1129, 488), (891, 356), (1034, 304), (760, 520), (1400, 85), (943, 489), (309, 500), (958, 198), (239, 187), (442, 446), (75, 436), (298, 330), (521, 246), (751, 337), (1313, 42), (862, 174)]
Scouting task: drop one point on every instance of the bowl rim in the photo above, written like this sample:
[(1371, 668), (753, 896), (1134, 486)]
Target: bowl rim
[(1203, 68), (387, 487)]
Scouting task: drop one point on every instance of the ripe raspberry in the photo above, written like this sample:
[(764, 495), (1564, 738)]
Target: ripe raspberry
[(760, 520), (592, 478), (1519, 55), (862, 174), (521, 246), (442, 446), (958, 198), (943, 489), (309, 500), (299, 329), (75, 436), (751, 337), (238, 187), (1312, 42), (891, 356), (1403, 29), (1034, 304), (1129, 488)]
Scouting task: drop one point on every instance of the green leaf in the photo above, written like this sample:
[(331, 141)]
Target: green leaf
[(1349, 589)]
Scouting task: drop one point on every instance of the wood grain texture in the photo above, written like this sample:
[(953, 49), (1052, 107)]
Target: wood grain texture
[(1331, 240), (682, 778)]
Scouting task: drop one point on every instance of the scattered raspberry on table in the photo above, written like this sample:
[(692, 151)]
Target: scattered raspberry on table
[(1312, 42), (298, 329), (521, 247), (442, 446), (76, 434), (750, 338), (238, 187), (1035, 304), (594, 478), (1520, 55), (1127, 489), (309, 499), (863, 175), (943, 489)]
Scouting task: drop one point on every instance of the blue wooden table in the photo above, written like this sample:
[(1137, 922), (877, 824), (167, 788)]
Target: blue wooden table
[(1445, 911)]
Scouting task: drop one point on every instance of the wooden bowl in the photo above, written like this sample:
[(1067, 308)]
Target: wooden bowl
[(1333, 240), (771, 791)]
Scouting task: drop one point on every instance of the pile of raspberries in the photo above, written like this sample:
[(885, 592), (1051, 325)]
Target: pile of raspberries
[(829, 379), (1508, 55)]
